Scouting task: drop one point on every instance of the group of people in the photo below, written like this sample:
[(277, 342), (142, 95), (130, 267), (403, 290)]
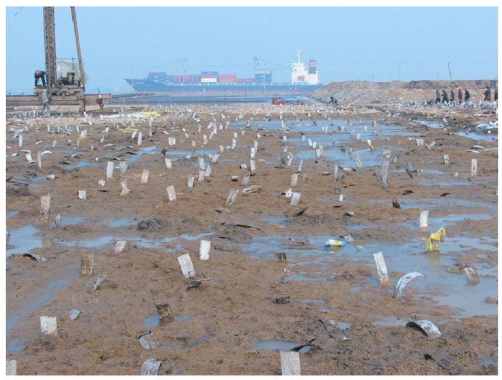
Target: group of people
[(488, 94), (463, 96)]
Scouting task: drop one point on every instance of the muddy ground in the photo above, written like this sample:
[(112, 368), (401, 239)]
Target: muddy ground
[(249, 304)]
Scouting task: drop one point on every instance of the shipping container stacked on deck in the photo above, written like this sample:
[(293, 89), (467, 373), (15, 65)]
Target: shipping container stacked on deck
[(263, 77), (191, 79), (304, 78), (209, 77), (227, 78)]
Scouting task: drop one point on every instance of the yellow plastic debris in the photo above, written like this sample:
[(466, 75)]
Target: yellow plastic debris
[(431, 245), (128, 130), (335, 243), (432, 242), (438, 235), (151, 114)]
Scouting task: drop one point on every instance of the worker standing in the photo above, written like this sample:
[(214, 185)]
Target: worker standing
[(452, 96), (488, 94), (100, 102), (460, 96), (444, 94), (467, 95), (40, 76), (438, 97)]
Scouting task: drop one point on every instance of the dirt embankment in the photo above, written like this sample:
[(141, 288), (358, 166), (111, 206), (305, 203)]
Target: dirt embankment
[(368, 93)]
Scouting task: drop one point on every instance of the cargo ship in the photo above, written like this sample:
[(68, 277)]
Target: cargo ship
[(304, 81)]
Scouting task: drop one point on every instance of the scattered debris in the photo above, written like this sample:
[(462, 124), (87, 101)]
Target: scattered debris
[(186, 265), (472, 275), (11, 368), (119, 246), (251, 189), (403, 283), (150, 367), (381, 269), (74, 314), (98, 282), (165, 312), (48, 325), (149, 224), (427, 327), (290, 363), (281, 300), (205, 247), (35, 257), (334, 243), (87, 264), (193, 284), (147, 341), (281, 257)]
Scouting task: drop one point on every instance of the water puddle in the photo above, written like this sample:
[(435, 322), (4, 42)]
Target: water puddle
[(11, 214), (446, 288), (337, 129), (445, 203), (367, 157), (83, 164), (16, 345), (476, 136), (72, 220), (311, 278), (145, 151), (41, 298), (434, 124), (22, 240), (120, 222), (443, 181), (277, 125), (436, 222), (107, 240), (310, 252), (279, 345), (152, 321), (189, 153), (297, 248)]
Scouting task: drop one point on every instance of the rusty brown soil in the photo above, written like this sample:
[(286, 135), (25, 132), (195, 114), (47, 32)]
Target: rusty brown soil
[(234, 306)]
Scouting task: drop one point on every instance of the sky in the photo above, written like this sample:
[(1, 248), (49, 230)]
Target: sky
[(361, 43)]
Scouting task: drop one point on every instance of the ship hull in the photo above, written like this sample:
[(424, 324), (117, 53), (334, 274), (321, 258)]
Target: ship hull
[(220, 89)]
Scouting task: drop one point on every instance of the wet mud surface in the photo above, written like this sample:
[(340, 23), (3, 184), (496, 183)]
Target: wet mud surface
[(271, 284)]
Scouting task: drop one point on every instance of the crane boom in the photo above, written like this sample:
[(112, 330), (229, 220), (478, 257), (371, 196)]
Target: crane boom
[(77, 43)]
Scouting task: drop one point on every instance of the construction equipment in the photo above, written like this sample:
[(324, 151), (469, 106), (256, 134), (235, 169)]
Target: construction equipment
[(65, 79)]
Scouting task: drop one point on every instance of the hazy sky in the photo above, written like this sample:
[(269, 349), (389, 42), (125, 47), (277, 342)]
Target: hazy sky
[(349, 43)]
